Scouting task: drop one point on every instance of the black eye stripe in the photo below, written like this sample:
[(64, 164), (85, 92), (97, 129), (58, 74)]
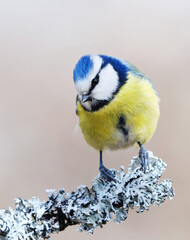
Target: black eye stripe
[(94, 82)]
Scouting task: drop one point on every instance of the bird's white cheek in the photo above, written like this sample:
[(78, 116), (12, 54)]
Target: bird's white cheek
[(108, 83)]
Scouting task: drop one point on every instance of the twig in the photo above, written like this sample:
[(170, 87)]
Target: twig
[(89, 208)]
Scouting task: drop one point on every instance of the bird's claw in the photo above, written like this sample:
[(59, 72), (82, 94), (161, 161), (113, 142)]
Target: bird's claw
[(144, 157), (106, 174)]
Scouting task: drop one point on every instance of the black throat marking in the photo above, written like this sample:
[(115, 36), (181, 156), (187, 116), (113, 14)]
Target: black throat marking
[(98, 104)]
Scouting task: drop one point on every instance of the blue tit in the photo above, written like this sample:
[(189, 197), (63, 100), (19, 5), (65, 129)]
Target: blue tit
[(117, 105)]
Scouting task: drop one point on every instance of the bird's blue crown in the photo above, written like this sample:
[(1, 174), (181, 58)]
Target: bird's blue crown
[(82, 68), (85, 65)]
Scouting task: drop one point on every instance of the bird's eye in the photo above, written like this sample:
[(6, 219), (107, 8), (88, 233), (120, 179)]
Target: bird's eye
[(95, 81)]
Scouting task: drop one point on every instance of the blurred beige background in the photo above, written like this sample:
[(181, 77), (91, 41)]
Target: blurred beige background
[(40, 42)]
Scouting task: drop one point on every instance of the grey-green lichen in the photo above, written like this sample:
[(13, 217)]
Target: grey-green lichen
[(89, 208)]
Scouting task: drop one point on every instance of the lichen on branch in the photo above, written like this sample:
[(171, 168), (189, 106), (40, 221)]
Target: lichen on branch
[(88, 207)]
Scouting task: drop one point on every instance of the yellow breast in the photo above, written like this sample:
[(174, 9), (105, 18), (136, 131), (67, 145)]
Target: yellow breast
[(137, 102)]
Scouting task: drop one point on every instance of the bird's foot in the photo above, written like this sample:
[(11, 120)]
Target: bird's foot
[(106, 173), (144, 157)]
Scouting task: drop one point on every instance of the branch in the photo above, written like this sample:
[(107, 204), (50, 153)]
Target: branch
[(89, 208)]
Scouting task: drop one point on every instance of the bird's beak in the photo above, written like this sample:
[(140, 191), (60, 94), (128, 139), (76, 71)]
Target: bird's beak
[(85, 98)]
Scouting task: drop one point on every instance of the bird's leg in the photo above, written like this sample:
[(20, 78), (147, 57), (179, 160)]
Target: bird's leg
[(144, 157), (104, 172)]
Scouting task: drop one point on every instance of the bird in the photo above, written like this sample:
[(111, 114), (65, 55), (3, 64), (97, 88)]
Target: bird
[(117, 106)]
